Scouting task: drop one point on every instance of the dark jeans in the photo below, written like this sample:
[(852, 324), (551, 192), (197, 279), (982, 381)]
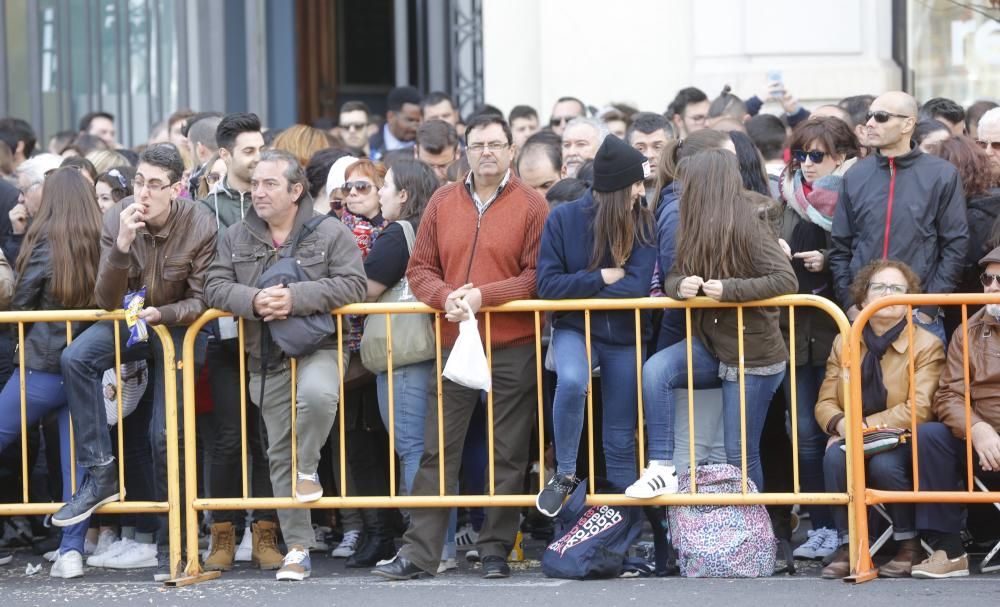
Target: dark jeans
[(513, 408), (84, 362), (812, 440), (138, 458), (889, 471), (225, 477)]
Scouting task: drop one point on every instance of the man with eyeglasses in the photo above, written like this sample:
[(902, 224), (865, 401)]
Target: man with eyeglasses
[(352, 125), (477, 246), (157, 241), (565, 110), (401, 121), (941, 445), (988, 138), (688, 111), (900, 203)]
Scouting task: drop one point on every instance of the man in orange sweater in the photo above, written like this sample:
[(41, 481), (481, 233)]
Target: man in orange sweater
[(478, 243)]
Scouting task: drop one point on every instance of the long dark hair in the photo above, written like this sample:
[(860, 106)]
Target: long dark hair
[(619, 224), (720, 230), (751, 162), (677, 150), (418, 180), (69, 220)]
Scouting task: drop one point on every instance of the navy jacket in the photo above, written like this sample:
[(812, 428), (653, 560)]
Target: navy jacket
[(562, 274), (668, 217)]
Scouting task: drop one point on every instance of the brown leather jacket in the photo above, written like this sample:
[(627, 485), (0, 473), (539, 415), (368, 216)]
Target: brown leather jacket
[(928, 362), (172, 264), (983, 333)]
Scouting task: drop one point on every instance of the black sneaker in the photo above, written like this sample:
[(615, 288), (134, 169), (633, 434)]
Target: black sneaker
[(550, 499), (99, 487), (495, 567), (162, 573)]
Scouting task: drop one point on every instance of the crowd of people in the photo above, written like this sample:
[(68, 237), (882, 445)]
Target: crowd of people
[(869, 197)]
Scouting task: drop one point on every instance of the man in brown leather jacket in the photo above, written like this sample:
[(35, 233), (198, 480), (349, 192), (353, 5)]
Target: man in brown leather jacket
[(165, 244), (941, 444)]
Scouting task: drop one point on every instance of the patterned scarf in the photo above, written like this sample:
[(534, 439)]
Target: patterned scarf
[(365, 232), (817, 206)]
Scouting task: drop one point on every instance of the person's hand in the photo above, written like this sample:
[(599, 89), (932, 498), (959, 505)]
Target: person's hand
[(151, 315), (451, 308), (18, 219), (612, 275), (852, 313), (129, 221), (279, 304), (460, 312), (784, 247), (841, 428), (987, 445), (790, 103), (770, 90), (713, 288), (812, 260), (689, 286), (261, 302), (474, 298)]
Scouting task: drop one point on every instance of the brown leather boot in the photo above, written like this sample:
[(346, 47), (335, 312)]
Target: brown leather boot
[(223, 548), (910, 553), (265, 545), (840, 566)]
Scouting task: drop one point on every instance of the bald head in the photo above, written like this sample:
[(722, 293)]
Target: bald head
[(897, 102), (891, 120)]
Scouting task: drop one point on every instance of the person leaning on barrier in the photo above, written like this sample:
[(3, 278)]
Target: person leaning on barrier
[(941, 444), (885, 387), (478, 243), (602, 245), (163, 243), (334, 277)]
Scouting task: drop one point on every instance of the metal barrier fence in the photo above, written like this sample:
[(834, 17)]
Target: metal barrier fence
[(863, 569), (172, 507), (194, 504)]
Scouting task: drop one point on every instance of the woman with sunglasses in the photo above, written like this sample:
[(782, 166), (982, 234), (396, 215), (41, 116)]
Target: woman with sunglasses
[(885, 394), (823, 149)]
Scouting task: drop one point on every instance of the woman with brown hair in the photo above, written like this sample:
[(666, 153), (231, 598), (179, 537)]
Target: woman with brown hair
[(726, 251), (303, 141), (601, 246), (56, 270)]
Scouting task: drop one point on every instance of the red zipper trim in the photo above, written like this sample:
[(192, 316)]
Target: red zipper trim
[(888, 215)]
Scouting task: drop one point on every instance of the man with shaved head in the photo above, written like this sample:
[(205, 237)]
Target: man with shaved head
[(902, 204)]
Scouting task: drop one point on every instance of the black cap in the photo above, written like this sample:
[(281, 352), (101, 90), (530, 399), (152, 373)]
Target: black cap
[(618, 165)]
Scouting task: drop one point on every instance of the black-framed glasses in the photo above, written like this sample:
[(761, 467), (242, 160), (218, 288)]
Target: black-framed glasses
[(561, 120), (493, 146), (815, 155), (362, 187), (986, 144), (988, 279), (882, 116), (153, 186)]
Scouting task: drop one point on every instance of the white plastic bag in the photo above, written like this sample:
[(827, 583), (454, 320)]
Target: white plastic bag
[(466, 364)]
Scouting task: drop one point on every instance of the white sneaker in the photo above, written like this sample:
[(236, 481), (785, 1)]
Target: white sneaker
[(447, 565), (347, 545), (104, 541), (821, 543), (244, 552), (68, 565), (98, 560), (655, 480), (831, 541), (136, 556), (88, 546), (466, 538), (51, 555)]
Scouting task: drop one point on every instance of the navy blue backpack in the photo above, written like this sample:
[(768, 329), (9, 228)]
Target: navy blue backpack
[(591, 542)]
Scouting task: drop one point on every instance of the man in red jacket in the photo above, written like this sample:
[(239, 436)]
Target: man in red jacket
[(478, 244)]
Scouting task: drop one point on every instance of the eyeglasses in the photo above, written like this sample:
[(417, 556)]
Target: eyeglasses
[(361, 187), (212, 178), (153, 186), (988, 279), (493, 146), (883, 116), (988, 144), (815, 155), (883, 288), (561, 120), (354, 126)]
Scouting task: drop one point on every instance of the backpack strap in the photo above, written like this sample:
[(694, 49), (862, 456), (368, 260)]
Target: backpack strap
[(307, 228), (408, 233)]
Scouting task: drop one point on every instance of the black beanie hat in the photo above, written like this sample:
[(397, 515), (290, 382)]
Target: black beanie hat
[(618, 165)]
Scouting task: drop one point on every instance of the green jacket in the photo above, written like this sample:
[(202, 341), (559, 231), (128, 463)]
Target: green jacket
[(228, 205)]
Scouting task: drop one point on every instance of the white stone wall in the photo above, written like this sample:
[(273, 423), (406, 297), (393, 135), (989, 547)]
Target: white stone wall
[(643, 51)]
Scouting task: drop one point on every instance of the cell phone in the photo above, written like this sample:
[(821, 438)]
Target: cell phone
[(774, 76)]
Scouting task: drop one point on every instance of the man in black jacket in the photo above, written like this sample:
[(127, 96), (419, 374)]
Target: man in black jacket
[(902, 204)]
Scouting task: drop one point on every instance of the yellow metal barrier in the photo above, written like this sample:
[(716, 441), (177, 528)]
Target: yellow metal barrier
[(864, 569), (172, 506), (535, 307)]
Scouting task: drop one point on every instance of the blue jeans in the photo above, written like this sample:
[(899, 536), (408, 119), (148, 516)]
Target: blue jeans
[(620, 398), (410, 387), (936, 326), (812, 440), (667, 370), (44, 393), (83, 364)]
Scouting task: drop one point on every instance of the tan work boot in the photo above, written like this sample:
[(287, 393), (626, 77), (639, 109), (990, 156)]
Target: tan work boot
[(910, 553), (265, 545), (223, 548), (840, 566)]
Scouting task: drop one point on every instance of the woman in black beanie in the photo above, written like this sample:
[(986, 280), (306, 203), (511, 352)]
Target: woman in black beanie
[(600, 246)]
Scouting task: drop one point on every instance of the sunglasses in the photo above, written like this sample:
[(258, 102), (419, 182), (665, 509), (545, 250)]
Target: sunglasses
[(988, 144), (815, 155), (361, 187), (882, 116), (354, 126), (987, 279), (561, 120)]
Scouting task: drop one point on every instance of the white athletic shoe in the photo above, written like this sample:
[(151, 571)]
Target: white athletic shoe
[(655, 480), (136, 556), (104, 541), (68, 565), (244, 552), (98, 560)]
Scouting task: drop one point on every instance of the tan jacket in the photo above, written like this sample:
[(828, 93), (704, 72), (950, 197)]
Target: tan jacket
[(983, 332), (928, 362)]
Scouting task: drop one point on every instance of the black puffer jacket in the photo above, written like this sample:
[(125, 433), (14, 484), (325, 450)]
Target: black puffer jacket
[(910, 208)]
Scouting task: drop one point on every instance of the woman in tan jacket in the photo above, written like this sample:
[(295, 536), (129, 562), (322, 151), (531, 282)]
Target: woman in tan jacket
[(885, 385)]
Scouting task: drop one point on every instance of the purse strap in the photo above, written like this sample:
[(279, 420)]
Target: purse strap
[(408, 233)]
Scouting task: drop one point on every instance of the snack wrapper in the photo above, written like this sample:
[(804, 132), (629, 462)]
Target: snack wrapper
[(133, 303)]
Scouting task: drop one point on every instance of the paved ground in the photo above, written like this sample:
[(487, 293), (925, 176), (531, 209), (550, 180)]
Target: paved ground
[(332, 585)]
